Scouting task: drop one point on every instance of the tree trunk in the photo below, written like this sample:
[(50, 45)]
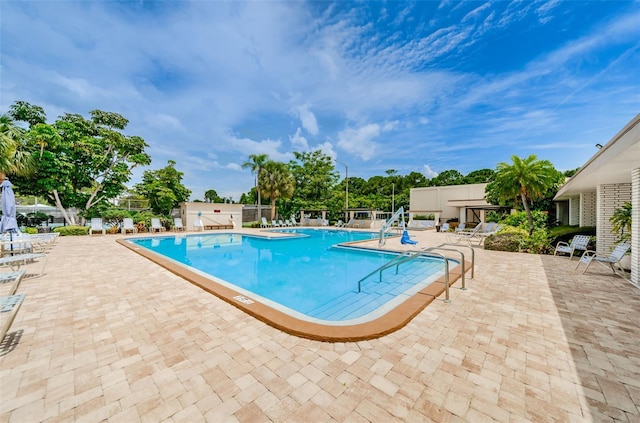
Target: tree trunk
[(528, 210), (69, 217), (273, 208)]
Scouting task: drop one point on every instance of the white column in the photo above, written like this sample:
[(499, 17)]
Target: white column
[(635, 226)]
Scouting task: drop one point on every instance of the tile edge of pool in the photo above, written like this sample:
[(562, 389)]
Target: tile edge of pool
[(389, 322)]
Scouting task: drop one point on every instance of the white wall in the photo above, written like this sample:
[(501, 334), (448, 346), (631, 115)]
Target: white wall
[(434, 199)]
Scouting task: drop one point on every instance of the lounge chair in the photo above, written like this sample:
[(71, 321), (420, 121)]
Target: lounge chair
[(177, 224), (128, 226), (461, 227), (613, 258), (14, 262), (96, 226), (294, 222), (288, 223), (14, 277), (339, 224), (9, 305), (406, 239), (579, 242), (281, 223), (274, 223), (444, 227), (467, 236), (264, 223), (197, 225), (156, 226)]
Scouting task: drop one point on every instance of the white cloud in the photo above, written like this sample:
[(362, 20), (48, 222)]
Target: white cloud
[(298, 141), (308, 119), (359, 142), (428, 172)]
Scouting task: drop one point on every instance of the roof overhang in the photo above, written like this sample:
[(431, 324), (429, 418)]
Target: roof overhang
[(612, 164)]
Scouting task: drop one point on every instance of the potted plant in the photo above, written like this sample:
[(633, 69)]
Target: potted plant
[(621, 220)]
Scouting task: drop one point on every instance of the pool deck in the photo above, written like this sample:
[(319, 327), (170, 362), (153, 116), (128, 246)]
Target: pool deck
[(106, 335)]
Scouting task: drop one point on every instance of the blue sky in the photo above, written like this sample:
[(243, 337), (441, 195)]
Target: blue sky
[(412, 86)]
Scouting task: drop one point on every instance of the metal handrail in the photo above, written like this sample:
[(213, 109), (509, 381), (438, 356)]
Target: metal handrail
[(384, 266), (411, 255), (462, 263), (473, 255)]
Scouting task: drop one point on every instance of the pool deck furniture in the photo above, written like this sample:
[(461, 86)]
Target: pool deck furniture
[(9, 307), (96, 226), (579, 242), (610, 260), (156, 226), (14, 278), (128, 226), (218, 226), (177, 225)]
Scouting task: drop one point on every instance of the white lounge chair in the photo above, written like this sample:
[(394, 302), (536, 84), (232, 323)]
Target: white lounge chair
[(339, 224), (128, 226), (156, 226), (14, 262), (96, 226), (274, 223), (10, 305), (197, 225), (461, 227), (281, 223), (177, 224), (15, 277), (294, 222), (613, 258), (579, 242), (264, 223)]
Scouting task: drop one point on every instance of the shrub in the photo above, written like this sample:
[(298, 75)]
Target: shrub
[(423, 217), (114, 216), (31, 230), (514, 239), (72, 230), (520, 220)]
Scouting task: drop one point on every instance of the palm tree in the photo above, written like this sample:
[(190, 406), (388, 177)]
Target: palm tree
[(14, 158), (530, 179), (276, 182), (256, 163)]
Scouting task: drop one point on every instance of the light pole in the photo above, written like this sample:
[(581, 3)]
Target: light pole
[(393, 197), (346, 197)]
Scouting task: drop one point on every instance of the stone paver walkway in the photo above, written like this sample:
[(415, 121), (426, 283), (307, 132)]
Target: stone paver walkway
[(106, 335)]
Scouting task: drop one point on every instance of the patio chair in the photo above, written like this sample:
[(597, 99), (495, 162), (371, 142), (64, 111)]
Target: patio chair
[(14, 277), (9, 305), (339, 224), (177, 224), (461, 227), (579, 242), (128, 226), (96, 226), (281, 223), (264, 223), (288, 223), (156, 226), (197, 225), (294, 222), (274, 223), (613, 258)]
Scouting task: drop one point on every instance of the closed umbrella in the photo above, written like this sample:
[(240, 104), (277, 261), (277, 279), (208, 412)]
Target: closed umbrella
[(8, 223)]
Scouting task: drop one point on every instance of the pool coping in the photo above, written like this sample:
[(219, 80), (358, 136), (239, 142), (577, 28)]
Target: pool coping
[(390, 322)]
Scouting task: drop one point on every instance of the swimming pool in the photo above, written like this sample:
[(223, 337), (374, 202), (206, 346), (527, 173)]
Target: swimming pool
[(307, 273)]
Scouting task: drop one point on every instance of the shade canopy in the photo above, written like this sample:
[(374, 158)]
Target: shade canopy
[(8, 223)]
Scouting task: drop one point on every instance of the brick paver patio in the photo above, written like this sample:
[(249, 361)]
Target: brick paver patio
[(106, 335)]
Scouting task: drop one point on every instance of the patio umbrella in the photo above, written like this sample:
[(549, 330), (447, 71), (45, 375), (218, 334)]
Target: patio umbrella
[(8, 223)]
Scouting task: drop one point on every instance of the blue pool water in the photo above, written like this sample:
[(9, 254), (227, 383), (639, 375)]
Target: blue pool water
[(306, 271)]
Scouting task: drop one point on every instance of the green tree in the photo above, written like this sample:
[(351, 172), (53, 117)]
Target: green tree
[(163, 188), (314, 178), (15, 158), (276, 182), (80, 163), (528, 179), (211, 196), (256, 163), (447, 177), (482, 176)]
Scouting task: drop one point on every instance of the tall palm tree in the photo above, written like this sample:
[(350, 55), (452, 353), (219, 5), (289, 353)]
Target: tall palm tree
[(256, 163), (14, 157), (276, 182), (529, 178)]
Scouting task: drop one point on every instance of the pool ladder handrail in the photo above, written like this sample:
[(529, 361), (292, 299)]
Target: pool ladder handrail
[(407, 257), (428, 252)]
